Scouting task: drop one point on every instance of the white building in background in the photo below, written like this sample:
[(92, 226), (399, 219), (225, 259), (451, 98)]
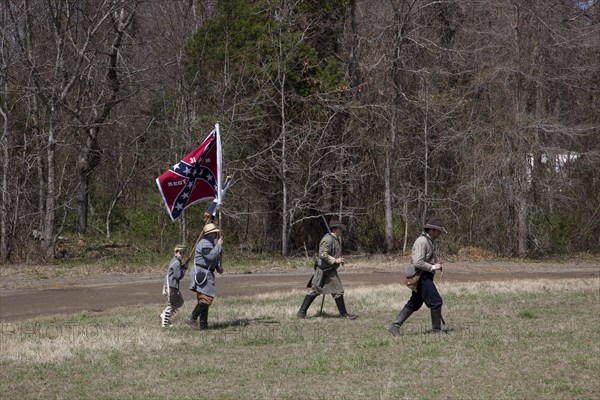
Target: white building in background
[(559, 161)]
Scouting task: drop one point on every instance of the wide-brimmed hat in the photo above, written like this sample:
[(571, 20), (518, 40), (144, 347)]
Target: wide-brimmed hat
[(435, 223), (336, 223), (210, 228), (180, 247)]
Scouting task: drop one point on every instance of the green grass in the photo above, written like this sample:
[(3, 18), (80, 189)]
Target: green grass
[(507, 340)]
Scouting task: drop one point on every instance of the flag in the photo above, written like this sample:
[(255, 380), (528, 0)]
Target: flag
[(195, 178)]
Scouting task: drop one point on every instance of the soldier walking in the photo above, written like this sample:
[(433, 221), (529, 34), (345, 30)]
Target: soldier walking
[(419, 276), (325, 279), (175, 273), (207, 260)]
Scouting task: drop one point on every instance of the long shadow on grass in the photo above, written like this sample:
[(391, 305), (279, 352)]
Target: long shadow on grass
[(326, 315), (242, 322)]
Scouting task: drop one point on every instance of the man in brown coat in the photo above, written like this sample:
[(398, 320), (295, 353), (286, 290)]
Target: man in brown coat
[(325, 279)]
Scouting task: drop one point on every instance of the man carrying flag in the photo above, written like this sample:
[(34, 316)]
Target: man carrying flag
[(207, 260), (198, 177)]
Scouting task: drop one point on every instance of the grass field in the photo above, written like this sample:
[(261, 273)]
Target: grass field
[(508, 340)]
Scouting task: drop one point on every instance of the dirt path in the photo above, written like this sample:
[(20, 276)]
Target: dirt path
[(98, 293)]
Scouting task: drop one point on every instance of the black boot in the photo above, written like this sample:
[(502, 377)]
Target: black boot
[(304, 307), (204, 317), (342, 308), (402, 316), (436, 321), (191, 320)]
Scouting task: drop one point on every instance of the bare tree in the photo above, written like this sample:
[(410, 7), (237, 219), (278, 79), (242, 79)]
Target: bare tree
[(382, 112), (97, 95), (5, 139), (70, 44)]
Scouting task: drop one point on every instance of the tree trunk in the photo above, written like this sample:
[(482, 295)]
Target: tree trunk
[(522, 225), (284, 188), (405, 216), (390, 239), (424, 197), (82, 203), (89, 158), (4, 238), (50, 208)]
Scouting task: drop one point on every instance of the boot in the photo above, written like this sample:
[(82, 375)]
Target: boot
[(204, 317), (402, 316), (191, 320), (436, 321), (342, 308), (304, 307)]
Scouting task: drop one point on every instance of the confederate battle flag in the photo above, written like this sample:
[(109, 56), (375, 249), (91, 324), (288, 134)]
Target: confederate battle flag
[(195, 178)]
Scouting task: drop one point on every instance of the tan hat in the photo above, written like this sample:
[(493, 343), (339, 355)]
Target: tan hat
[(209, 228), (435, 223)]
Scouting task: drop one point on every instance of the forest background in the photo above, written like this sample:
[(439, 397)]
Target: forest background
[(379, 112)]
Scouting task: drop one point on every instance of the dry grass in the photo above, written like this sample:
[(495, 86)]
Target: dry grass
[(474, 253), (508, 340)]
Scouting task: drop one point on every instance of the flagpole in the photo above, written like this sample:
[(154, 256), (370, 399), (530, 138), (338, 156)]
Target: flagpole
[(219, 186), (219, 164), (219, 171)]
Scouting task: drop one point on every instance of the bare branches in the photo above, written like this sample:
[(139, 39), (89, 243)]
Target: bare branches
[(483, 112)]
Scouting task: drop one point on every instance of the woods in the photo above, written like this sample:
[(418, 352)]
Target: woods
[(382, 113)]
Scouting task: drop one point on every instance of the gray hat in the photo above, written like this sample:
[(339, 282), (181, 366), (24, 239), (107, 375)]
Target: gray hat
[(435, 223), (336, 223)]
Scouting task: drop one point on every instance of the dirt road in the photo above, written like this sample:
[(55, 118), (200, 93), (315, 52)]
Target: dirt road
[(98, 293)]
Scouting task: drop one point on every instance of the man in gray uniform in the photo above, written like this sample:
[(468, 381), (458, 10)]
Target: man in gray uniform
[(325, 279), (207, 260), (419, 274)]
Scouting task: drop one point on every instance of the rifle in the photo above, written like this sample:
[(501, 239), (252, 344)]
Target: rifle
[(323, 299)]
